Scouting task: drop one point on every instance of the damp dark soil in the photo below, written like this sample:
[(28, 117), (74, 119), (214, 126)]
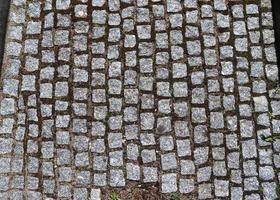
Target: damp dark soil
[(141, 192)]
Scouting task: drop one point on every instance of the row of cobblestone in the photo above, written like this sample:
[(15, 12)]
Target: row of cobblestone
[(103, 93)]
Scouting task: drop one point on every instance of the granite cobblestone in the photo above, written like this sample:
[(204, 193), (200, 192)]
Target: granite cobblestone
[(100, 94)]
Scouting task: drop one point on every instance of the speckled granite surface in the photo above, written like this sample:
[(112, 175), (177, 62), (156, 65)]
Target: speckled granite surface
[(180, 96)]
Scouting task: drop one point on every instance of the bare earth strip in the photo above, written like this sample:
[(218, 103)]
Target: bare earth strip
[(4, 11)]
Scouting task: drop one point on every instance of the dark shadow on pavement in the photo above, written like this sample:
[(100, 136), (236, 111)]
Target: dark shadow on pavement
[(276, 20)]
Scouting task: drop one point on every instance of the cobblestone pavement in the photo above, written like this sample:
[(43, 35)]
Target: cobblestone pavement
[(101, 94)]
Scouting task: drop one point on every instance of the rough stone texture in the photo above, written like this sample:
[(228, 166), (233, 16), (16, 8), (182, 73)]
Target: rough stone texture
[(107, 93)]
